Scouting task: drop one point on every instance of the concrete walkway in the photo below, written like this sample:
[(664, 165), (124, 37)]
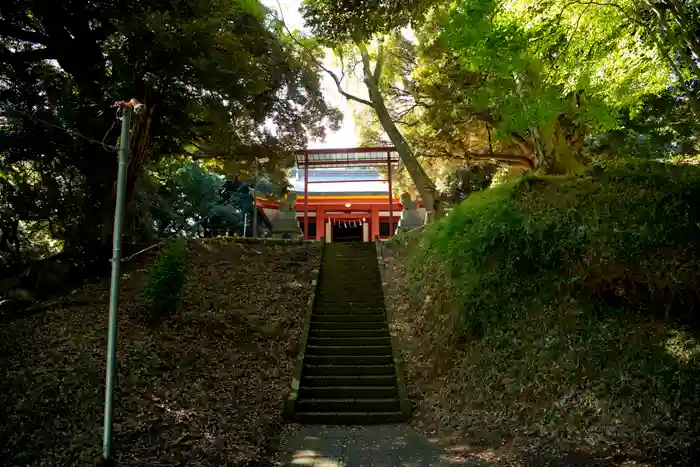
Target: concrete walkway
[(366, 446)]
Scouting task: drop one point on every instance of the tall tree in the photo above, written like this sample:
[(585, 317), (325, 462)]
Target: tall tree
[(217, 76), (362, 33)]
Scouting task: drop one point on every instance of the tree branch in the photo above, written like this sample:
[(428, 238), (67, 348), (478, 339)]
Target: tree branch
[(25, 56), (380, 61), (330, 73), (10, 30)]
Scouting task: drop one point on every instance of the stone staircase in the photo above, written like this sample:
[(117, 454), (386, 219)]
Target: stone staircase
[(348, 374)]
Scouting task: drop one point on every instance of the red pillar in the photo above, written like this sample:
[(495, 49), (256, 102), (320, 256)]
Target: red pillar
[(306, 196), (391, 200), (374, 222), (320, 222)]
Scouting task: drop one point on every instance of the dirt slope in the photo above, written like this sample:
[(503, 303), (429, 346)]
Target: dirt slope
[(205, 387)]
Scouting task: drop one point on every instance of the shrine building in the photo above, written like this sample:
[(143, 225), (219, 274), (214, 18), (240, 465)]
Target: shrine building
[(341, 194)]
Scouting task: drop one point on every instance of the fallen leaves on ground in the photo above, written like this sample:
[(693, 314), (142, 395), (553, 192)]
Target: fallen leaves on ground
[(203, 387), (554, 388)]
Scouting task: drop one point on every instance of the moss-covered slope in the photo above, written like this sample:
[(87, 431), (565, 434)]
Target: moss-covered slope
[(561, 313)]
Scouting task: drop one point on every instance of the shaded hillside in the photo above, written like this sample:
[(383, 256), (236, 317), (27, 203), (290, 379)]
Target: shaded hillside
[(553, 321), (204, 387)]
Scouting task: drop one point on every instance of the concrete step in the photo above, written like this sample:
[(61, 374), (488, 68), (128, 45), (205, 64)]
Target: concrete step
[(342, 325), (348, 360), (349, 311), (317, 318), (349, 418), (350, 295), (348, 380), (360, 341), (348, 303), (364, 286), (341, 277), (353, 301), (342, 299), (348, 405), (348, 370), (349, 333), (347, 392), (348, 350), (351, 291), (376, 310), (339, 269)]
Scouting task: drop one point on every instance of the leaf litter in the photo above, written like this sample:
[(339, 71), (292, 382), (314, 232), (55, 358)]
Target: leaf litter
[(564, 392), (205, 386)]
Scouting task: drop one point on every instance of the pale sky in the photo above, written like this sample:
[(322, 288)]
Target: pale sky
[(346, 136)]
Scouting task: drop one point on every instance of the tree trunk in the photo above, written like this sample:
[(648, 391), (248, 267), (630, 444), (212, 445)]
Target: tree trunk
[(425, 186), (557, 149)]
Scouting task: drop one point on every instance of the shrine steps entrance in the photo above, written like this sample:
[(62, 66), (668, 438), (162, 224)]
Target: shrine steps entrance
[(347, 233), (349, 373)]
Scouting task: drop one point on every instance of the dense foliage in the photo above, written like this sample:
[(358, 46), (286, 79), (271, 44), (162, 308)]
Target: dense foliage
[(526, 84), (565, 308), (219, 81), (583, 235)]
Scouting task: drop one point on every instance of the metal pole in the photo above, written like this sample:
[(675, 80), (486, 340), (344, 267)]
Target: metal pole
[(245, 224), (306, 196), (391, 197), (114, 286), (255, 208)]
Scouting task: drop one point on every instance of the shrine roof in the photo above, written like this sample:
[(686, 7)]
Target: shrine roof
[(347, 157)]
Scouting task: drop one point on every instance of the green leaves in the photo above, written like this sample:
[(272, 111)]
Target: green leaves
[(218, 76), (166, 279), (347, 20)]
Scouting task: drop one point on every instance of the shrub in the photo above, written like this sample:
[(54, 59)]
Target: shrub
[(166, 279), (613, 236)]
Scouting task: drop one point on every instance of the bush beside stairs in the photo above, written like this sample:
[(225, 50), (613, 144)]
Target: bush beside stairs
[(347, 371)]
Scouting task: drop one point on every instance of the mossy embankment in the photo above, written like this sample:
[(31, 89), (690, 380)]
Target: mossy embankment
[(556, 319)]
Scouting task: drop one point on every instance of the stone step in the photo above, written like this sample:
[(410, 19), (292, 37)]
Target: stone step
[(347, 392), (349, 290), (349, 303), (345, 296), (348, 360), (356, 255), (351, 277), (350, 274), (350, 254), (349, 333), (350, 294), (353, 325), (348, 380), (349, 418), (354, 341), (335, 309), (348, 350), (347, 370), (348, 405), (354, 285), (316, 318), (337, 271), (350, 311)]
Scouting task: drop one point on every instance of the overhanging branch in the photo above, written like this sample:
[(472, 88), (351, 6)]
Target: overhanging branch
[(334, 77)]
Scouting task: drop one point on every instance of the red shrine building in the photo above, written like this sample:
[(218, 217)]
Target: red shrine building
[(341, 194)]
